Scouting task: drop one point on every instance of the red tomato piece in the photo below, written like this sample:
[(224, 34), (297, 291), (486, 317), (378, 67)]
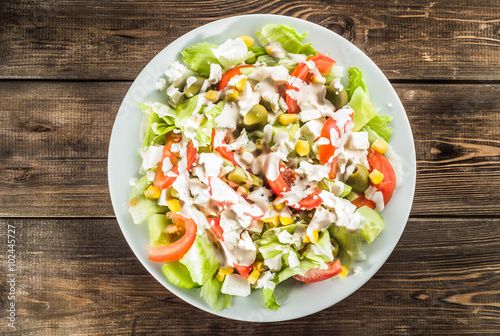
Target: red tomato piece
[(323, 63), (161, 180), (217, 145), (316, 274), (230, 74), (243, 270), (326, 151), (178, 249), (388, 184), (283, 184)]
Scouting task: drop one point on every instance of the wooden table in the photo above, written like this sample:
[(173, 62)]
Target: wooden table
[(65, 67)]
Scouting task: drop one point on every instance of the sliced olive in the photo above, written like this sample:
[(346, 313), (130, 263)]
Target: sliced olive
[(339, 98), (335, 245), (359, 180), (237, 175), (195, 87), (255, 118)]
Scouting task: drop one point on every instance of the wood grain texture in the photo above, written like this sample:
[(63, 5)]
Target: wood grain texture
[(55, 140), (409, 39), (79, 277)]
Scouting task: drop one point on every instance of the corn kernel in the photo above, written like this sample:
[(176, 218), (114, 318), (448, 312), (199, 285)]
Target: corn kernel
[(249, 42), (315, 236), (272, 221), (220, 277), (212, 95), (241, 84), (252, 278), (344, 273), (242, 190), (286, 220), (269, 50), (258, 143), (287, 118), (302, 148), (380, 146), (306, 239), (258, 265), (174, 205), (278, 204), (376, 177), (232, 95), (152, 193), (315, 79), (226, 270)]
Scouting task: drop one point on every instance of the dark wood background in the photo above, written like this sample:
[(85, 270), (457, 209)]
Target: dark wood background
[(64, 69)]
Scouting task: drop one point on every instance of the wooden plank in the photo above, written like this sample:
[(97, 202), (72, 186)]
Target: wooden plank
[(79, 277), (409, 39), (55, 139)]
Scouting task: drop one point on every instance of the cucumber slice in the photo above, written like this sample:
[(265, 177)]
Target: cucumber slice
[(178, 275), (346, 191), (374, 223)]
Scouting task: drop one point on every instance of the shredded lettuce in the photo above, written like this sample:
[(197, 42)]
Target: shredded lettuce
[(210, 291), (356, 79), (256, 51), (269, 299), (289, 38), (199, 57), (200, 261), (289, 64), (140, 208), (336, 72), (379, 124), (164, 124), (349, 243), (268, 60), (204, 132), (363, 109)]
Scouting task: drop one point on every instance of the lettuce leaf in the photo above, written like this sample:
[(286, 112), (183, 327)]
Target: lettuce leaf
[(200, 260), (356, 79), (163, 124), (364, 111), (204, 132), (256, 51), (232, 52), (199, 57), (379, 124), (289, 38), (350, 242), (269, 299), (210, 291)]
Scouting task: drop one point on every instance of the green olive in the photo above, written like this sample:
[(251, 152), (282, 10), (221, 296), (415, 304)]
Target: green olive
[(339, 98), (237, 175), (195, 87), (255, 118), (335, 246), (359, 180)]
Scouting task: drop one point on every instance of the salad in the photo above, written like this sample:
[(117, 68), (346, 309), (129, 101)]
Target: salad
[(262, 163)]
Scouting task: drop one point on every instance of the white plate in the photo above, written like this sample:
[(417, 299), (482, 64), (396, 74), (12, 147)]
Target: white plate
[(296, 299)]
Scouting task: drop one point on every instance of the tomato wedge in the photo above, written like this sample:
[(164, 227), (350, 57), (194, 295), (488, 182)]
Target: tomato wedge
[(283, 184), (302, 72), (326, 151), (178, 249), (388, 184), (163, 181), (230, 74), (243, 270), (217, 145), (317, 274)]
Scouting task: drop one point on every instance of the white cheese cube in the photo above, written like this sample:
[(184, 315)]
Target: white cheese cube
[(235, 284), (358, 140)]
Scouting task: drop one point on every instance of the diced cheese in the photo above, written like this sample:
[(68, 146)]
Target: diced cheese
[(235, 284)]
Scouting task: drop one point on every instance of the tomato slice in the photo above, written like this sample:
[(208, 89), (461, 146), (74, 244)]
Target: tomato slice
[(243, 270), (362, 201), (163, 181), (388, 184), (178, 249), (317, 274), (230, 74), (302, 72), (217, 145), (283, 184)]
